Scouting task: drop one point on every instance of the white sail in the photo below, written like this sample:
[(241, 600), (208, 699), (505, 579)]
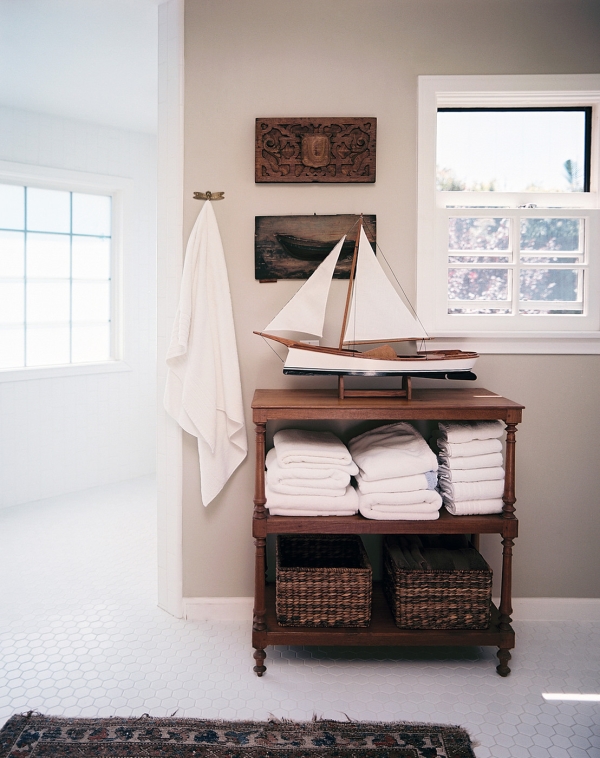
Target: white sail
[(305, 312), (377, 312)]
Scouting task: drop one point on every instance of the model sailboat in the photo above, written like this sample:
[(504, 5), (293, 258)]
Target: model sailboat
[(374, 314)]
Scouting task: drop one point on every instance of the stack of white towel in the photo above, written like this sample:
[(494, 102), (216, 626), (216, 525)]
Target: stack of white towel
[(308, 474), (471, 473), (397, 474)]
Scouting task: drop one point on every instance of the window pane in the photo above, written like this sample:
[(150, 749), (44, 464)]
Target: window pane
[(550, 284), (12, 206), (47, 345), (91, 214), (477, 284), (91, 258), (91, 301), (91, 343), (478, 234), (480, 311), (48, 210), (511, 151), (48, 256), (548, 235), (12, 346), (12, 302), (48, 302), (12, 254)]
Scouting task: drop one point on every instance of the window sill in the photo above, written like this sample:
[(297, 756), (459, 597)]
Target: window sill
[(520, 343), (53, 372)]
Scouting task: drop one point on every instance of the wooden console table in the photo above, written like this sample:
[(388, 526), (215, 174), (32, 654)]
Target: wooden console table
[(426, 404)]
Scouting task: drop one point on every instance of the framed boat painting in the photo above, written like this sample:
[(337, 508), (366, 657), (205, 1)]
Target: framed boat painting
[(291, 247)]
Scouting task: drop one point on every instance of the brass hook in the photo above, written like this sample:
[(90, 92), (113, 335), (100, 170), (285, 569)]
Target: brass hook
[(209, 195)]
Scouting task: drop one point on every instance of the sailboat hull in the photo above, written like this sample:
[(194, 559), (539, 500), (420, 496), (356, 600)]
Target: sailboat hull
[(306, 361)]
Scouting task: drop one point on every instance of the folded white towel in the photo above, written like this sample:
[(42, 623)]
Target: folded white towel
[(426, 481), (310, 476), (491, 460), (348, 501), (396, 499), (475, 507), (391, 451), (295, 512), (301, 446), (470, 475), (466, 449), (286, 488), (459, 491), (403, 515), (466, 431), (413, 508)]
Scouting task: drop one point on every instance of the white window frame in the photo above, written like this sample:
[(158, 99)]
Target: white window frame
[(120, 189), (575, 334)]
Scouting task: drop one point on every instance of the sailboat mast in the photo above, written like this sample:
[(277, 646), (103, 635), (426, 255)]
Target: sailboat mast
[(351, 282)]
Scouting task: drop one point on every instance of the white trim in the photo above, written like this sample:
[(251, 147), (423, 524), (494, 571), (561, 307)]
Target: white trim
[(69, 369), (494, 333), (555, 608), (218, 608), (169, 268)]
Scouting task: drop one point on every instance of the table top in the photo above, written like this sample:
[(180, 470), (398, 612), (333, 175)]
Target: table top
[(463, 404)]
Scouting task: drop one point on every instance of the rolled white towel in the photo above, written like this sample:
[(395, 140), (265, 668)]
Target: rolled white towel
[(459, 491), (398, 499), (391, 451), (335, 476), (491, 460), (301, 446), (470, 475), (279, 500), (475, 507), (403, 515), (466, 449), (299, 512), (426, 481), (466, 431)]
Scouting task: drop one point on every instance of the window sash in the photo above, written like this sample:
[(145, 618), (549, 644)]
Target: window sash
[(28, 325)]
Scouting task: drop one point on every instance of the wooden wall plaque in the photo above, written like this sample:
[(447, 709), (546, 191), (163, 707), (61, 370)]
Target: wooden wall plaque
[(315, 149)]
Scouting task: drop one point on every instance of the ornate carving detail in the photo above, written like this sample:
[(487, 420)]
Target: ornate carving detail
[(315, 149)]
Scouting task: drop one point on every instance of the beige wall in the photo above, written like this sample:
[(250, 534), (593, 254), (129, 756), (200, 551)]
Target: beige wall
[(250, 58)]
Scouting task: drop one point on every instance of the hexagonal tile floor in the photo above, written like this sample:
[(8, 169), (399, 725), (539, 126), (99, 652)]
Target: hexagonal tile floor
[(80, 634)]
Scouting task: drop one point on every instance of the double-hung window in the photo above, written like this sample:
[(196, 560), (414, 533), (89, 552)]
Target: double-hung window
[(509, 243), (58, 290)]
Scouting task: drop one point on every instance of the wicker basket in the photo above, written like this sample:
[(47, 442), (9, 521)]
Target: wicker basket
[(436, 587), (322, 580)]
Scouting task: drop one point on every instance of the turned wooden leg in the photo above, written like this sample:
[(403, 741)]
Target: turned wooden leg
[(260, 655), (506, 589), (503, 657)]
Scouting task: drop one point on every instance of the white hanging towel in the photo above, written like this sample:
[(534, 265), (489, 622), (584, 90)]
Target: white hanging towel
[(203, 392)]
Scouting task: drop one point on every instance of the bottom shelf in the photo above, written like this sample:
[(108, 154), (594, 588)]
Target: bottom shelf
[(381, 631)]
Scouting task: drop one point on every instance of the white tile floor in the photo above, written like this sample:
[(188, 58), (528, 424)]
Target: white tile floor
[(80, 634)]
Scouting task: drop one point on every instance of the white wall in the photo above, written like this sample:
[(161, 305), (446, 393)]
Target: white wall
[(63, 434), (349, 57)]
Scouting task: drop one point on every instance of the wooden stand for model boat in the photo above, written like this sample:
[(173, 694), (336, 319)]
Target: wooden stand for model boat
[(406, 390)]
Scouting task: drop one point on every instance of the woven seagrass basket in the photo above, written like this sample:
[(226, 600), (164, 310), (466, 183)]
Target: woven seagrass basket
[(322, 580), (436, 588)]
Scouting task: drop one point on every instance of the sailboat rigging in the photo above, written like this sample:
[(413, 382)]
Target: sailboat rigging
[(374, 314)]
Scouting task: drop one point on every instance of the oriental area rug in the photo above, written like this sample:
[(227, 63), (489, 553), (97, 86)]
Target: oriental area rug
[(35, 736)]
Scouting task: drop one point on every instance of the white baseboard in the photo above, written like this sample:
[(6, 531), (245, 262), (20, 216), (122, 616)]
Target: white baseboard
[(524, 608), (218, 608), (556, 609)]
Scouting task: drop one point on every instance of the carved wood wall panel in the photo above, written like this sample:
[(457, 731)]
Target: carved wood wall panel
[(315, 149)]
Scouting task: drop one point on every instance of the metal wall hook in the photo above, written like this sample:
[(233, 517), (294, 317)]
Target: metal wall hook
[(209, 195)]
